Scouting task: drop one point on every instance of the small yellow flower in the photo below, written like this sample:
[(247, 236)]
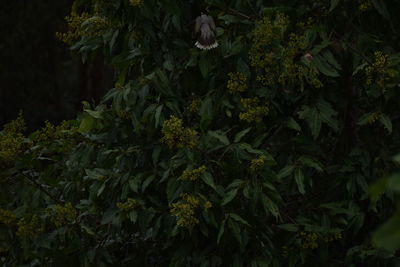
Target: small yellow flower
[(194, 106), (7, 217), (309, 240), (258, 163), (136, 3), (237, 82), (208, 205), (83, 24), (61, 215), (175, 135), (30, 227), (254, 112), (185, 211), (379, 71), (192, 175), (127, 206)]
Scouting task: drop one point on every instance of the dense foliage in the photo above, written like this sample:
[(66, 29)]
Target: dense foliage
[(260, 152)]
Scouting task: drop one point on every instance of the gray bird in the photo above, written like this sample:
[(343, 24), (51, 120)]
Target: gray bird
[(206, 26)]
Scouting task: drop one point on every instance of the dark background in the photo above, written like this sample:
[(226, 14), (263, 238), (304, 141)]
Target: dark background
[(40, 75)]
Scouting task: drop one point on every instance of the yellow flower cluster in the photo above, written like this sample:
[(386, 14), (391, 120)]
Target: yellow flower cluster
[(379, 72), (83, 24), (30, 227), (185, 211), (207, 205), (237, 82), (175, 135), (49, 133), (264, 36), (127, 206), (136, 3), (333, 237), (95, 26), (364, 5), (7, 217), (195, 105), (277, 58), (309, 240), (285, 251), (74, 32), (258, 163), (192, 175), (254, 112), (62, 215), (12, 139), (373, 117)]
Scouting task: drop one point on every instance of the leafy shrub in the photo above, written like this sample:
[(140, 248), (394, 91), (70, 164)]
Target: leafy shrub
[(256, 153)]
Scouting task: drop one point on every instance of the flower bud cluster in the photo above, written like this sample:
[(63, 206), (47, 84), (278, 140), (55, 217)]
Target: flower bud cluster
[(194, 105), (379, 71), (83, 24), (7, 217), (237, 82), (12, 139), (127, 206), (61, 215), (254, 111), (30, 227), (258, 163), (136, 3), (175, 135), (192, 175), (185, 211), (309, 240), (275, 54)]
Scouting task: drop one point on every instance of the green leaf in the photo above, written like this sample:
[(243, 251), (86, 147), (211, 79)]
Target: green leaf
[(204, 66), (147, 182), (269, 206), (221, 231), (220, 136), (236, 230), (310, 162), (101, 189), (387, 123), (240, 134), (87, 229), (97, 114), (365, 118), (87, 124), (380, 6), (242, 67), (292, 124), (229, 196), (324, 67), (157, 115), (334, 3), (134, 183), (299, 178), (208, 179), (314, 122), (286, 171), (236, 217), (388, 235), (133, 216)]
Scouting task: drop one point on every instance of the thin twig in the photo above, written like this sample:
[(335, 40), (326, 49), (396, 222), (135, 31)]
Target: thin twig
[(238, 13), (41, 188)]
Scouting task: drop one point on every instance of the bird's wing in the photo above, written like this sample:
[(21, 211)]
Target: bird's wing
[(197, 24), (210, 21)]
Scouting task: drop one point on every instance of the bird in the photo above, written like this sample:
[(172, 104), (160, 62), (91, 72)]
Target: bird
[(206, 26)]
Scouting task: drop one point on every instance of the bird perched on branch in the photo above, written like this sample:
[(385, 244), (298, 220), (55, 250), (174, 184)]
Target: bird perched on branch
[(206, 26)]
